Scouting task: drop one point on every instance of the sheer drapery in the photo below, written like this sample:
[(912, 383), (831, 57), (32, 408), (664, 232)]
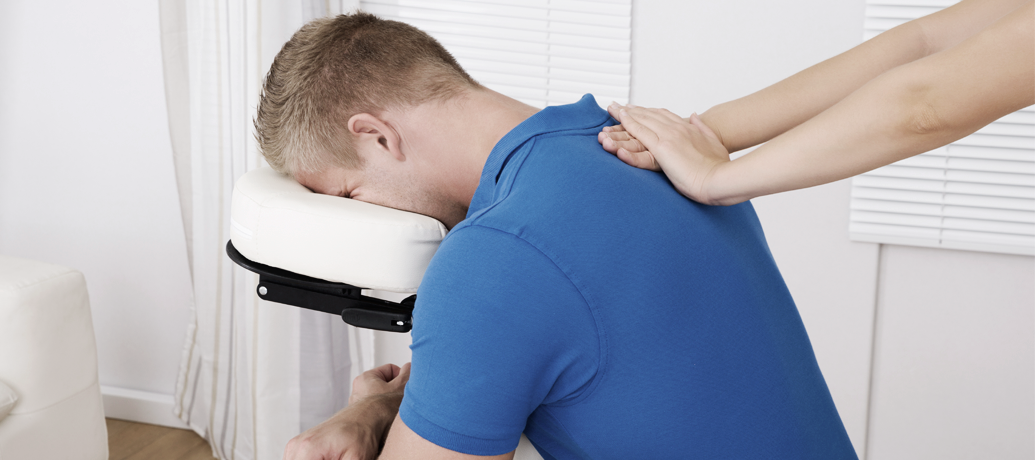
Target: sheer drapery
[(253, 373)]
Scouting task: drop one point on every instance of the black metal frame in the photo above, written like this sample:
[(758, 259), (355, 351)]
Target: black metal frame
[(290, 288)]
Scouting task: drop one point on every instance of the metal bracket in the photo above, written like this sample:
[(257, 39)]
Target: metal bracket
[(282, 286)]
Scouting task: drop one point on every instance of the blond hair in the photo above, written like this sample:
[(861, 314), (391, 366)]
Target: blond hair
[(334, 68)]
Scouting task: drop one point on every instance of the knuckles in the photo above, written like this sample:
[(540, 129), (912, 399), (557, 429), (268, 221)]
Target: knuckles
[(298, 447)]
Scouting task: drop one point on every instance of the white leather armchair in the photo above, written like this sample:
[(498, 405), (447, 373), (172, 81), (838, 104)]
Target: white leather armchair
[(48, 357)]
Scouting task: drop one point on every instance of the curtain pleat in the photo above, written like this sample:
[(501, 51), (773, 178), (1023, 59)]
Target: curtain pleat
[(253, 374)]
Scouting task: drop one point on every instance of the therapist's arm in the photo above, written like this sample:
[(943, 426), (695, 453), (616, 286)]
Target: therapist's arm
[(911, 109), (761, 116)]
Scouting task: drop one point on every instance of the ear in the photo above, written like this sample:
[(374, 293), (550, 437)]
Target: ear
[(373, 135)]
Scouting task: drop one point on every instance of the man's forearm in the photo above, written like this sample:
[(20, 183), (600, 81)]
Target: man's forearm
[(761, 116), (357, 431), (378, 411)]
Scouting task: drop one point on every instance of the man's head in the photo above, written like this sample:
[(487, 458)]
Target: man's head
[(335, 68)]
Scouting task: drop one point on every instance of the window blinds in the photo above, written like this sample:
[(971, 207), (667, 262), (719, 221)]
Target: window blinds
[(977, 193), (541, 52)]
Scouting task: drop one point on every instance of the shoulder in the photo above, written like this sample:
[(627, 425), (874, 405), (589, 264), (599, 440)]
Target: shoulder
[(498, 330), (484, 259)]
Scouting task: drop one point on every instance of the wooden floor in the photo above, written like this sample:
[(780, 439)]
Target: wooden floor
[(140, 441)]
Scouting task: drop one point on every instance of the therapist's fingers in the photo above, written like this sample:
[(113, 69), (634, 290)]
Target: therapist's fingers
[(633, 121), (614, 108), (688, 153), (612, 141), (645, 135), (656, 118), (618, 136), (642, 159)]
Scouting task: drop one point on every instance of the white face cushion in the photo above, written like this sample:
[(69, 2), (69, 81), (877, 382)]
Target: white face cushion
[(7, 400), (276, 221)]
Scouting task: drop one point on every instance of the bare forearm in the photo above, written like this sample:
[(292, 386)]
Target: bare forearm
[(378, 412), (357, 431), (761, 116), (910, 110), (758, 117), (850, 138)]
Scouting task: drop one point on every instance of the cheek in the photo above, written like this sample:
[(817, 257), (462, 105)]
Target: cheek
[(403, 199)]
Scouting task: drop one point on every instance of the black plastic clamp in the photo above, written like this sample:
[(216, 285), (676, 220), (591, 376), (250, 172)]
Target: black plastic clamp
[(290, 288)]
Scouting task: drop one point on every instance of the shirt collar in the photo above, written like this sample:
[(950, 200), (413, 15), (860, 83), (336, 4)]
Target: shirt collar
[(581, 115)]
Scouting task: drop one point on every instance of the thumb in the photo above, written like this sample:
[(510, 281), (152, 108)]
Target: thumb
[(400, 380), (385, 372), (404, 372)]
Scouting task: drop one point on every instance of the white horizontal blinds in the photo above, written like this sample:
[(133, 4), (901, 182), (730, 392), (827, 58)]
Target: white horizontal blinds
[(883, 15), (977, 193), (542, 52)]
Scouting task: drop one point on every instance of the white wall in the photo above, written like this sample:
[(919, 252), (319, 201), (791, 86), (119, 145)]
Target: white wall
[(954, 373), (86, 176)]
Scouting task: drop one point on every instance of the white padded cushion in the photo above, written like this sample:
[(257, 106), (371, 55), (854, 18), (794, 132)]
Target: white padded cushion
[(7, 400), (48, 355), (47, 346), (276, 221)]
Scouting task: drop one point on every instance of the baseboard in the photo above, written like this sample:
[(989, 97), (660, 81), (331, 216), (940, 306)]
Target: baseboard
[(140, 406)]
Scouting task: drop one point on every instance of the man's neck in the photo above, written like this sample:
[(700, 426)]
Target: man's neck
[(456, 136)]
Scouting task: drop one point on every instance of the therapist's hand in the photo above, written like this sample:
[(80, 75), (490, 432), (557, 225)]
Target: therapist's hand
[(687, 151), (615, 138), (358, 431)]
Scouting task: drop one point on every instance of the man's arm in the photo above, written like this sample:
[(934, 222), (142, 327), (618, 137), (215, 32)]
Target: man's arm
[(358, 431), (501, 330), (403, 443)]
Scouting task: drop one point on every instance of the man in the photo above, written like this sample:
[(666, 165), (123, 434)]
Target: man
[(582, 302)]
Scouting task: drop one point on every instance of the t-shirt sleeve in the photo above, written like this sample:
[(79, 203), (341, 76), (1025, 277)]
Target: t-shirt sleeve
[(498, 331)]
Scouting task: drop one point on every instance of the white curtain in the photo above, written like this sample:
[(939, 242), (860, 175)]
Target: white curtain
[(253, 373)]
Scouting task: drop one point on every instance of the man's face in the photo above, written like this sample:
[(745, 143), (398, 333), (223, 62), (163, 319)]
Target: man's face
[(396, 186)]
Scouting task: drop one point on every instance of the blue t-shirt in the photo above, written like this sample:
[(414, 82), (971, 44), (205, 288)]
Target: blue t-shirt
[(589, 305)]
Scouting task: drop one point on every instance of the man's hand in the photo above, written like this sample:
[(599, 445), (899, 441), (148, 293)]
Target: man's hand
[(687, 151), (358, 431), (385, 379)]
